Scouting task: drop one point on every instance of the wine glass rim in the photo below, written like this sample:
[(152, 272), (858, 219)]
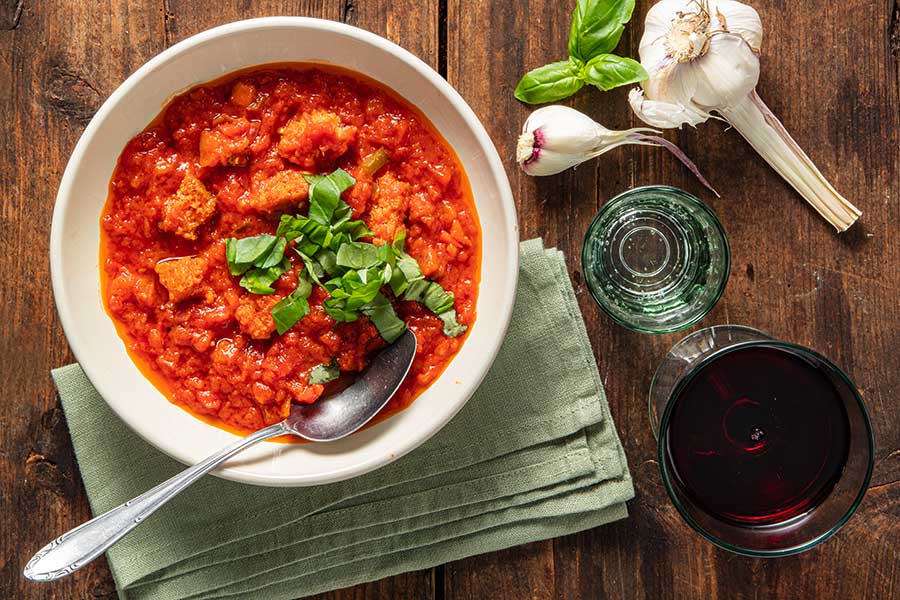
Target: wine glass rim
[(667, 481), (723, 284)]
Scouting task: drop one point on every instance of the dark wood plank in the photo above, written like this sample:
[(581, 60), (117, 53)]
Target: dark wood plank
[(184, 18), (58, 61)]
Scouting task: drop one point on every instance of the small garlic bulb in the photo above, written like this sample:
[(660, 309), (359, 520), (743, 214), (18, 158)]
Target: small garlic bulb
[(556, 138), (702, 57)]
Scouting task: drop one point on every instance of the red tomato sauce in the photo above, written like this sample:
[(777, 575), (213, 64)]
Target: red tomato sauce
[(225, 159)]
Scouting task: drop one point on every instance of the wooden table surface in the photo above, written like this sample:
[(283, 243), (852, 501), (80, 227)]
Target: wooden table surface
[(830, 71)]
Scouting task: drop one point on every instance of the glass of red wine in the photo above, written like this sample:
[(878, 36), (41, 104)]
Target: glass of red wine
[(765, 447)]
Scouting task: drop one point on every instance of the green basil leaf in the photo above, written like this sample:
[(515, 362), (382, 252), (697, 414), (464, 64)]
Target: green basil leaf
[(399, 243), (338, 311), (355, 229), (436, 299), (597, 27), (230, 253), (410, 268), (386, 321), (358, 255), (416, 290), (609, 71), (352, 280), (549, 83), (259, 281), (291, 227), (250, 249), (342, 179), (322, 374), (328, 259), (242, 253), (385, 253), (304, 287), (274, 256), (452, 327), (364, 294), (311, 271), (398, 282), (342, 214), (325, 195), (290, 309)]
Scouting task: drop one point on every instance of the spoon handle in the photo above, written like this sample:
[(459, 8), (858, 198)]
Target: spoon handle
[(74, 549)]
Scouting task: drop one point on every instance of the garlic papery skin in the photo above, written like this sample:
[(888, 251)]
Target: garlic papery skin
[(556, 138), (702, 57)]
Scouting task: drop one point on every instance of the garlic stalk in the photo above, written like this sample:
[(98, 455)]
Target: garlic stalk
[(556, 138), (703, 58)]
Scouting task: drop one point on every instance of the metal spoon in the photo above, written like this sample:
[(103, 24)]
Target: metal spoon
[(327, 420)]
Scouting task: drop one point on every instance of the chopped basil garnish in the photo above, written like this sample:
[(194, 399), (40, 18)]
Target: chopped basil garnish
[(322, 374), (382, 314), (260, 259), (260, 280), (452, 327), (276, 254), (358, 255), (325, 195), (249, 251), (292, 307), (351, 271)]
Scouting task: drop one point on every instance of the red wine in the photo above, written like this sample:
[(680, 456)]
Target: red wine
[(758, 436)]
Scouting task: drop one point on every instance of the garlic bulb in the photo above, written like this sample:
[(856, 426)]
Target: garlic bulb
[(703, 58), (556, 138)]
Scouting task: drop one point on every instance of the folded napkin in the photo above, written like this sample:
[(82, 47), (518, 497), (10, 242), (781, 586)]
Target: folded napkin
[(534, 454)]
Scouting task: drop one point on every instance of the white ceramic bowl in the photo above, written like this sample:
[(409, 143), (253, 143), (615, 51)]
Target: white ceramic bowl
[(75, 240)]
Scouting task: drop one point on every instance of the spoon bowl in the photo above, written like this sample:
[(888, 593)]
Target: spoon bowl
[(336, 417)]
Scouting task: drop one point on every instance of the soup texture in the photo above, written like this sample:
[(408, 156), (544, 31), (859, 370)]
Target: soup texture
[(227, 160)]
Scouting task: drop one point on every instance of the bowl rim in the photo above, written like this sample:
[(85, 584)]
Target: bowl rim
[(496, 172)]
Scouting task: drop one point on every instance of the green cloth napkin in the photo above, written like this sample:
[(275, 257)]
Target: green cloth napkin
[(534, 454)]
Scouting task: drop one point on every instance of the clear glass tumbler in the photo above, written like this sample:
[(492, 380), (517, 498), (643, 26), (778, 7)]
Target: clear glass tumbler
[(728, 444), (656, 259)]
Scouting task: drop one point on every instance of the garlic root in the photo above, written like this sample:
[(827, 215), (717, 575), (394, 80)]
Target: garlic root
[(655, 140), (762, 129)]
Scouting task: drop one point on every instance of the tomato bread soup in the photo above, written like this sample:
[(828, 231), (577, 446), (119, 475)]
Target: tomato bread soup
[(271, 230)]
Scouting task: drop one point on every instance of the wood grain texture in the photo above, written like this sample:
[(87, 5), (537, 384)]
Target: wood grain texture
[(832, 76), (54, 71)]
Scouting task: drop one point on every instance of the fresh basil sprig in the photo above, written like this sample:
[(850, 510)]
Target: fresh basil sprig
[(597, 27)]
